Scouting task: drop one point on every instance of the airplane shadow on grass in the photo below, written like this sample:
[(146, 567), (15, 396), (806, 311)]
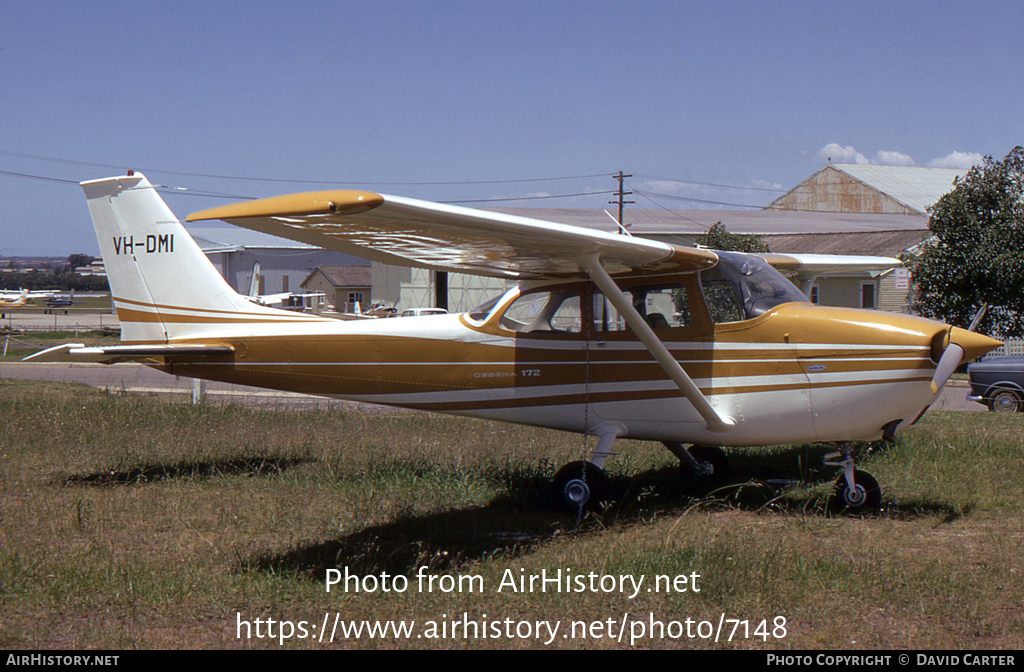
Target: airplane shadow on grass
[(518, 522), (245, 466)]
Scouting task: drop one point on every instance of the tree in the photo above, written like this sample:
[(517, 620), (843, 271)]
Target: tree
[(719, 238), (976, 253), (79, 260)]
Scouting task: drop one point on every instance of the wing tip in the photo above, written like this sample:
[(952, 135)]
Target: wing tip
[(336, 202)]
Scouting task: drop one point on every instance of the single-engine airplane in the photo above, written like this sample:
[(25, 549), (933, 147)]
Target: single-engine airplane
[(608, 335), (18, 301), (60, 300)]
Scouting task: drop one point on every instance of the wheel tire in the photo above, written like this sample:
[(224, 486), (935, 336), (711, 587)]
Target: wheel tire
[(579, 485), (866, 495), (714, 460), (1004, 401), (713, 473)]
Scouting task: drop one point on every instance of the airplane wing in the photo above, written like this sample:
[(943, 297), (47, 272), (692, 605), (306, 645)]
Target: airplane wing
[(148, 354), (821, 265), (268, 299), (409, 232)]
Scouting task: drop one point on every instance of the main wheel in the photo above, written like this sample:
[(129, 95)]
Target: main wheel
[(1004, 401), (712, 462), (710, 472), (865, 494), (580, 485)]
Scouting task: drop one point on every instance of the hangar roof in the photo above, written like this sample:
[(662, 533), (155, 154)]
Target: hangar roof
[(912, 187), (343, 276)]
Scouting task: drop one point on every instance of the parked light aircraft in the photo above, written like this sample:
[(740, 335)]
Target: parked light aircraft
[(607, 335), (60, 301), (277, 300), (15, 301)]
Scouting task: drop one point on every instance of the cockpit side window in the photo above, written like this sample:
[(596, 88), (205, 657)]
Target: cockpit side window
[(721, 296), (743, 286)]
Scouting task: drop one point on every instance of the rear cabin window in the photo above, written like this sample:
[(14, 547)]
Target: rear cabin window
[(661, 306)]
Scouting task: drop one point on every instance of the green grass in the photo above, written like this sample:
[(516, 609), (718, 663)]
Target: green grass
[(130, 521), (22, 344)]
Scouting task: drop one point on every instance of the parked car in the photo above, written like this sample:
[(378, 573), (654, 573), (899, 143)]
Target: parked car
[(418, 312), (998, 382)]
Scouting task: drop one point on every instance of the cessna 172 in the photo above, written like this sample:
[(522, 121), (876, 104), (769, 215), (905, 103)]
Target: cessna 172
[(16, 301), (720, 349)]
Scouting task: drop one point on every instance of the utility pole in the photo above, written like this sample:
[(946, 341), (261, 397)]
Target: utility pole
[(621, 194)]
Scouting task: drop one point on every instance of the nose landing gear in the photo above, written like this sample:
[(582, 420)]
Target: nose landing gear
[(855, 490)]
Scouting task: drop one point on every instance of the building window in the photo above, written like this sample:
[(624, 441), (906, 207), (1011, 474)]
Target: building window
[(284, 283), (867, 294), (814, 294), (355, 297)]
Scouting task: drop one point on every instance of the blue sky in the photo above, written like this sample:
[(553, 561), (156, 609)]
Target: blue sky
[(371, 94)]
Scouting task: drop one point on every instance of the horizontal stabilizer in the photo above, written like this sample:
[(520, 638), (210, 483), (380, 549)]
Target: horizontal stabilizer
[(79, 353)]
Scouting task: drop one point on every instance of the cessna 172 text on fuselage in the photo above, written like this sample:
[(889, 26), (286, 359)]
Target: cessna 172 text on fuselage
[(608, 335)]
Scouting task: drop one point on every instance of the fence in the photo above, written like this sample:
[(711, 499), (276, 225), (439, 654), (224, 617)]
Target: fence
[(1011, 346)]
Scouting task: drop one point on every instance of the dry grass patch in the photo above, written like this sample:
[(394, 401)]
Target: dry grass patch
[(136, 522)]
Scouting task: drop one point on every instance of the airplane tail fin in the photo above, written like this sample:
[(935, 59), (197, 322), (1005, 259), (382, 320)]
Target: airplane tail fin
[(254, 281), (163, 285)]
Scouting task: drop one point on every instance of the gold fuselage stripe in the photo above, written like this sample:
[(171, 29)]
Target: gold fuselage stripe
[(375, 365)]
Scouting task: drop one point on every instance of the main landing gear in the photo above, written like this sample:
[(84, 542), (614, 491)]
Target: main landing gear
[(580, 485), (583, 485), (706, 464)]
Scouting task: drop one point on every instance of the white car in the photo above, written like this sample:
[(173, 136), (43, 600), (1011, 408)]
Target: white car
[(420, 312)]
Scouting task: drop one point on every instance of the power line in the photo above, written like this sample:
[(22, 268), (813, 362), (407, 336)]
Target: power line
[(293, 181), (528, 198), (669, 210), (36, 177), (161, 187), (697, 200), (715, 184), (186, 191)]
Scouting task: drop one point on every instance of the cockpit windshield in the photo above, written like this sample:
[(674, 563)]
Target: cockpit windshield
[(743, 286), (480, 313)]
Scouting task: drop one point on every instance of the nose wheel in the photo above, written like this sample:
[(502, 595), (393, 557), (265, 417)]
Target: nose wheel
[(855, 490), (864, 494)]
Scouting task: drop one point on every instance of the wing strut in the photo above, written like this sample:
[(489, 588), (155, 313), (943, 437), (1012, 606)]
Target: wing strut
[(715, 422)]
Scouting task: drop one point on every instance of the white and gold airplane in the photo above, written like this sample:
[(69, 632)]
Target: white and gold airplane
[(607, 335), (15, 301)]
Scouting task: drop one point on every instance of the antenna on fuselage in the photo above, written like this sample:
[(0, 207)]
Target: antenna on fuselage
[(622, 229)]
